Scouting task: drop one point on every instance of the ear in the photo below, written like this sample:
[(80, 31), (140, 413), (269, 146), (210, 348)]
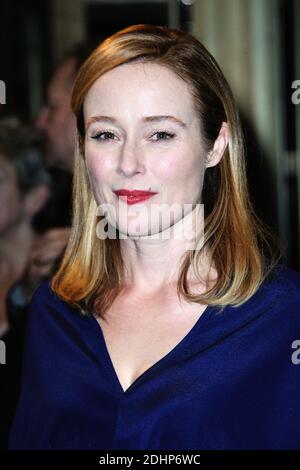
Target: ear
[(221, 142), (36, 199)]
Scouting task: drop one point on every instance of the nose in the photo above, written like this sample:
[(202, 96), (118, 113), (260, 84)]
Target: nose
[(130, 159)]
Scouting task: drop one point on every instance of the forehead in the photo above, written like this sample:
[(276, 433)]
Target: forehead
[(145, 86)]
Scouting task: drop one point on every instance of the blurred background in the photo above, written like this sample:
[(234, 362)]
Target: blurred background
[(256, 42), (42, 45)]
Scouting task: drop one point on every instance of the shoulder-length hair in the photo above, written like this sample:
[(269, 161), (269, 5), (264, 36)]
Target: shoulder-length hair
[(240, 246)]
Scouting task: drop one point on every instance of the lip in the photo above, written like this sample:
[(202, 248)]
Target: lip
[(133, 197)]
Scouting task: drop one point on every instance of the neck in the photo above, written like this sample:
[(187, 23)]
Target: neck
[(154, 264)]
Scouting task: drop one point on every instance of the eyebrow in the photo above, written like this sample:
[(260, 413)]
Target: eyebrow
[(145, 119)]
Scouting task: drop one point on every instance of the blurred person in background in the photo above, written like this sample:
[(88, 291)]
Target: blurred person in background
[(57, 125), (56, 119), (24, 190), (31, 252)]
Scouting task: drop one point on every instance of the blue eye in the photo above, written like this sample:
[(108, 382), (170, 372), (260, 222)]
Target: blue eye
[(100, 134), (166, 135)]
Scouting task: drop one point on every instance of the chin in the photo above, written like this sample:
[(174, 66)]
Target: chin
[(135, 231)]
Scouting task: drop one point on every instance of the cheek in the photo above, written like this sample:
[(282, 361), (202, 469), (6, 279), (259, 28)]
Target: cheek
[(96, 166), (179, 166), (10, 205), (100, 171), (9, 195)]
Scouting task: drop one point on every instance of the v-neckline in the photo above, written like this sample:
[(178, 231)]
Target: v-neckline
[(175, 349)]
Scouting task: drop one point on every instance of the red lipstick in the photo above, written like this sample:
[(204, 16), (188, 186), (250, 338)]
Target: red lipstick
[(133, 197)]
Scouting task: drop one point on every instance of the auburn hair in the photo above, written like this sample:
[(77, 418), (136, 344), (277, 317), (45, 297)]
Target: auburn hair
[(241, 247)]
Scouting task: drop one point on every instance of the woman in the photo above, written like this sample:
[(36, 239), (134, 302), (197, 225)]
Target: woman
[(170, 332)]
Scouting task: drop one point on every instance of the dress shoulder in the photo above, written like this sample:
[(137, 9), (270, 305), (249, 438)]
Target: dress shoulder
[(285, 282), (46, 303), (44, 295)]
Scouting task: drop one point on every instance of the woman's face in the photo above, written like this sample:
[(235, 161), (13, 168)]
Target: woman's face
[(134, 147)]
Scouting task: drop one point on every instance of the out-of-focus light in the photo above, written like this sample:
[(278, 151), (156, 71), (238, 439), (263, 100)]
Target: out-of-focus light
[(187, 2)]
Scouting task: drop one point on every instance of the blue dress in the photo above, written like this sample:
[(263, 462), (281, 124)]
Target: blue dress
[(232, 382)]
